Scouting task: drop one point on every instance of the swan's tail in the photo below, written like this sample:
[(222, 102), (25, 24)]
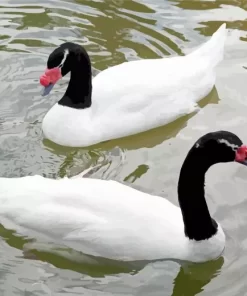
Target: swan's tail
[(213, 49)]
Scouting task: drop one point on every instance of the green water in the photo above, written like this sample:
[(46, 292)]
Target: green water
[(114, 32)]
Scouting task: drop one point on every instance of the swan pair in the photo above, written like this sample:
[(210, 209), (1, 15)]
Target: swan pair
[(106, 218)]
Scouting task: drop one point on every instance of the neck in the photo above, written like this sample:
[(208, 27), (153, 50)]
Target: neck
[(79, 92), (198, 224)]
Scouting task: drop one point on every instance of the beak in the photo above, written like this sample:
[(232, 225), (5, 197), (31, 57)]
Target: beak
[(47, 89), (244, 162)]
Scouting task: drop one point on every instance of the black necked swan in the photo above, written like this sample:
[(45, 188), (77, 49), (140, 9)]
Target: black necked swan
[(126, 99), (112, 220)]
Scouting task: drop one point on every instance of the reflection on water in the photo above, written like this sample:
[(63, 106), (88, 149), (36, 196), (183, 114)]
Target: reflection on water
[(113, 32), (192, 279)]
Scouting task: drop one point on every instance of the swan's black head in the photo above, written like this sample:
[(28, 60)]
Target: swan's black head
[(62, 60), (220, 146)]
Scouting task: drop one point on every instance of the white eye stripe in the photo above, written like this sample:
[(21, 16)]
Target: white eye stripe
[(66, 52), (233, 146)]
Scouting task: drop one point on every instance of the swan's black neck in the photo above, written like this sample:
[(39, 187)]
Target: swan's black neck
[(79, 92), (210, 149), (198, 224)]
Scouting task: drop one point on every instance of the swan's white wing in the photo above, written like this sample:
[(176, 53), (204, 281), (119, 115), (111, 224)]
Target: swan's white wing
[(102, 218), (135, 85), (144, 101)]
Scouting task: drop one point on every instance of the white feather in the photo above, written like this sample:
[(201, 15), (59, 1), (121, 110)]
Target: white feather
[(137, 96), (231, 145), (66, 53), (101, 218)]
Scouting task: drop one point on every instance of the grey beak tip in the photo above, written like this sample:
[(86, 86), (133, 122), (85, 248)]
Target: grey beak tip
[(47, 89)]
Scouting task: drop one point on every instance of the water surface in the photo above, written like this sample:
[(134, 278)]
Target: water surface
[(114, 32)]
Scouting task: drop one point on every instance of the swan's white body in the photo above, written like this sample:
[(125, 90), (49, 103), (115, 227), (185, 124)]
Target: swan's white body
[(102, 218), (137, 96)]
